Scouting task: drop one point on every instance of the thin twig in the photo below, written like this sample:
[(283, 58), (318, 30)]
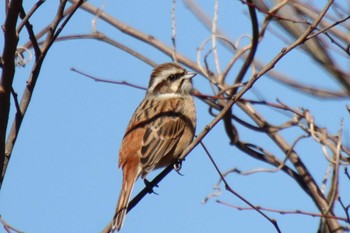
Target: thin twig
[(346, 209), (106, 80), (228, 188), (282, 212), (347, 173), (15, 98), (30, 13), (29, 28)]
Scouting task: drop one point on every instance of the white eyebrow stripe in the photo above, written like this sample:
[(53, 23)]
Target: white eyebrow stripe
[(155, 83), (166, 73)]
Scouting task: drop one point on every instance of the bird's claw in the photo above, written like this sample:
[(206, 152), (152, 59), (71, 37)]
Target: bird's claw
[(178, 166)]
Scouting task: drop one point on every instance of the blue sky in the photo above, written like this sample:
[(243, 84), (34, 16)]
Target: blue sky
[(63, 174)]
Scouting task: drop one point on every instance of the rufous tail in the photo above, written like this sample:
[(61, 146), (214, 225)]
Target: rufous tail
[(122, 205)]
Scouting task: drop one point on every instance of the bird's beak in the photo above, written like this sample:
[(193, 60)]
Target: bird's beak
[(190, 75)]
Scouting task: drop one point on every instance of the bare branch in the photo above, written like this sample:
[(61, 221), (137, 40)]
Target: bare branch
[(282, 212), (8, 228), (106, 80), (7, 76), (227, 186)]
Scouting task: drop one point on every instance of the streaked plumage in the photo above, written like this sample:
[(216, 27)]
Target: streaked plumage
[(162, 126)]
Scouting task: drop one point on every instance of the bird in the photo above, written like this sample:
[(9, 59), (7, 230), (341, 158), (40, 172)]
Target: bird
[(161, 128)]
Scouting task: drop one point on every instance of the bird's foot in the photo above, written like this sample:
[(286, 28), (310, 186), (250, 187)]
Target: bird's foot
[(178, 166)]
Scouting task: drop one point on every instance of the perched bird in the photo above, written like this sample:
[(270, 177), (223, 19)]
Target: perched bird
[(161, 128)]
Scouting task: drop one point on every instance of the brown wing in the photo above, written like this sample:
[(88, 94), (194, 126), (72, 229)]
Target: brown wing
[(154, 130), (160, 140)]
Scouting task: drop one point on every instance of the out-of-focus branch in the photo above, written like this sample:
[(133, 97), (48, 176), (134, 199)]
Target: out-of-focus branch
[(315, 47), (303, 88), (8, 228), (102, 37), (147, 39), (272, 14), (309, 11)]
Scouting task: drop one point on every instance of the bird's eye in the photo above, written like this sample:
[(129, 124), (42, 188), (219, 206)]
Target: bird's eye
[(172, 77)]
